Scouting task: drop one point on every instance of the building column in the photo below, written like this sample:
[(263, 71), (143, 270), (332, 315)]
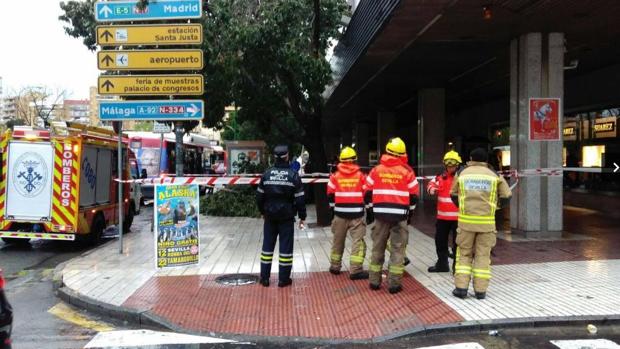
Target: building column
[(386, 128), (536, 70), (361, 143), (431, 131)]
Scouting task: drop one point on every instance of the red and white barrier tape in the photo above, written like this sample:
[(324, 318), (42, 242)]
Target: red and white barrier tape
[(310, 179)]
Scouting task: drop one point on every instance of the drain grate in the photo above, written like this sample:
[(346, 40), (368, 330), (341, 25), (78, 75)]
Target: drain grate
[(237, 279)]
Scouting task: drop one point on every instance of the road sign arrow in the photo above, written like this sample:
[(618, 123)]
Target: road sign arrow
[(617, 167), (107, 85), (106, 35), (106, 11), (107, 60), (193, 109)]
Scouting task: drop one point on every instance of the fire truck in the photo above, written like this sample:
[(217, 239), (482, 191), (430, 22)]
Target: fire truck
[(59, 183)]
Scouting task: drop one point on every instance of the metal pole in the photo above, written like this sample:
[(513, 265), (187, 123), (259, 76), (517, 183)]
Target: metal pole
[(179, 148), (161, 149), (120, 185)]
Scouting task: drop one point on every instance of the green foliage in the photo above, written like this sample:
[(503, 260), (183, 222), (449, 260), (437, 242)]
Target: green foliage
[(268, 57), (235, 201), (143, 126)]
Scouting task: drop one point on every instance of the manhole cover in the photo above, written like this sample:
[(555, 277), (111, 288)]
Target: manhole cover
[(236, 279)]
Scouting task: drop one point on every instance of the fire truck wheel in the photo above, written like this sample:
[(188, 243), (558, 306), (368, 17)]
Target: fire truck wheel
[(128, 219), (96, 231), (16, 241)]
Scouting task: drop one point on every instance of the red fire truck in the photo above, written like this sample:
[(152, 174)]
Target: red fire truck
[(59, 184)]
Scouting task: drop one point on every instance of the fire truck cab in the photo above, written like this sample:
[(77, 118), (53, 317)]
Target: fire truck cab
[(59, 184)]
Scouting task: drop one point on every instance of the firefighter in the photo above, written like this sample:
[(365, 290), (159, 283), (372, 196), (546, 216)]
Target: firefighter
[(447, 212), (392, 193), (346, 198), (279, 197), (475, 191)]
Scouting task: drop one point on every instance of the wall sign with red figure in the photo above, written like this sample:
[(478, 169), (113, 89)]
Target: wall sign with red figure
[(544, 114)]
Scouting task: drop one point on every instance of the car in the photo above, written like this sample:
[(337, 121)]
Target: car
[(6, 316)]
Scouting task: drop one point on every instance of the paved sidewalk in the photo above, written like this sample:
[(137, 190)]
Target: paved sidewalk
[(576, 276)]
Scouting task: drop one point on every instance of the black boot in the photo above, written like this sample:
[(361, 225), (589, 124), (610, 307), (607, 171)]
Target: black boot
[(481, 295), (407, 261), (362, 275), (439, 267), (395, 289), (264, 282), (375, 287), (284, 283), (334, 271), (460, 293)]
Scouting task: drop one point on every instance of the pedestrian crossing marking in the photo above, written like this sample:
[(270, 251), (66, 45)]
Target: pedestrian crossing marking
[(143, 338), (586, 343), (64, 312)]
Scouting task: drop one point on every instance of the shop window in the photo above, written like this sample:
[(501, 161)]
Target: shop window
[(593, 155)]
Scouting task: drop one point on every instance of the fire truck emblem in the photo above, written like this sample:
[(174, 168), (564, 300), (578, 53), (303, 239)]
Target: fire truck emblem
[(30, 175)]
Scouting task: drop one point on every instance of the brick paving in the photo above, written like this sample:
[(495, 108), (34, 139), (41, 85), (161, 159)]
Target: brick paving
[(573, 276)]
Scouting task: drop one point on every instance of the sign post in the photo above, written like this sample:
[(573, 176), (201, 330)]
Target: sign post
[(120, 185)]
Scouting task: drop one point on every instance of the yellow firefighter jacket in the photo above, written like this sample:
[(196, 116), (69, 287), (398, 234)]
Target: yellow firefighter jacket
[(478, 189)]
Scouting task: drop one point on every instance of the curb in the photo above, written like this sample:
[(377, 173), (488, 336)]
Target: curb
[(146, 318)]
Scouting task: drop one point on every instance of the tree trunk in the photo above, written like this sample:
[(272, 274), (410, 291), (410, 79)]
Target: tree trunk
[(318, 163)]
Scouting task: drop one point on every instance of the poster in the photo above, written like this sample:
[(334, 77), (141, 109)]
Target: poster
[(239, 156), (177, 241), (544, 118)]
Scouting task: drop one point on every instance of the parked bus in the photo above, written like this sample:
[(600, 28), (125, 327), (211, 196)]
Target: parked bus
[(200, 156)]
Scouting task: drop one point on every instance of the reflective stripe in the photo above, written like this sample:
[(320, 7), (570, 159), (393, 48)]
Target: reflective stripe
[(412, 184), (348, 209), (286, 255), (396, 269), (370, 181), (446, 200), (331, 204), (286, 184), (336, 257), (266, 253), (331, 185), (482, 273), (301, 193), (285, 259), (266, 258), (376, 268), (483, 220), (285, 264), (447, 214), (390, 192), (389, 210), (349, 194), (265, 262), (260, 190), (357, 259), (412, 207), (369, 205)]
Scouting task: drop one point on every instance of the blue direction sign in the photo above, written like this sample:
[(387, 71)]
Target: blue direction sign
[(180, 109), (118, 11)]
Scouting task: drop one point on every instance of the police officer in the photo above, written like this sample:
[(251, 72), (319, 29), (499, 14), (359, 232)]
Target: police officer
[(475, 191), (279, 197)]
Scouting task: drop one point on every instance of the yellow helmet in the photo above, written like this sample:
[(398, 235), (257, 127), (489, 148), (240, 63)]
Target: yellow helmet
[(348, 154), (396, 146), (452, 158)]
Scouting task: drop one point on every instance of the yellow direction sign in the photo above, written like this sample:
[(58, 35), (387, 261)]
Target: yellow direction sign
[(137, 85), (165, 34), (150, 60)]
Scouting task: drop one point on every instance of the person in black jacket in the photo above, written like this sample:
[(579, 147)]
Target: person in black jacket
[(280, 195)]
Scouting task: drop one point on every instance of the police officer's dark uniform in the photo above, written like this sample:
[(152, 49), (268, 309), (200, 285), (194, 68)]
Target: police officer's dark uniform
[(279, 197)]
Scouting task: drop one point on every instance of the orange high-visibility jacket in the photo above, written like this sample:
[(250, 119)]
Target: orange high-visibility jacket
[(446, 209), (345, 191), (392, 189)]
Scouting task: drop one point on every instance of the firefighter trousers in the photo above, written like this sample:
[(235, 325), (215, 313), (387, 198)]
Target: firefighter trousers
[(442, 237), (473, 258), (398, 234), (340, 227), (272, 230)]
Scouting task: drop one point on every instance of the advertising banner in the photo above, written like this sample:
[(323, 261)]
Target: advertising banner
[(177, 239)]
